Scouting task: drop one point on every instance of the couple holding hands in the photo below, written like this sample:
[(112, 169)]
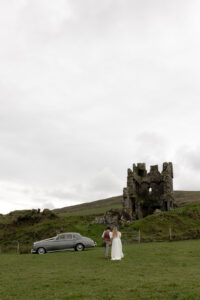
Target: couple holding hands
[(113, 238)]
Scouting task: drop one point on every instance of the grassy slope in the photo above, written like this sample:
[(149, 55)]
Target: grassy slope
[(94, 207), (184, 223), (161, 271), (101, 206), (27, 233)]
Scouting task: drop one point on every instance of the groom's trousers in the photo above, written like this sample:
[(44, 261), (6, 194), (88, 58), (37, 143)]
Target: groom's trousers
[(108, 243)]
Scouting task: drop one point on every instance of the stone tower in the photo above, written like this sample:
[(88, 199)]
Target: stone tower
[(146, 192)]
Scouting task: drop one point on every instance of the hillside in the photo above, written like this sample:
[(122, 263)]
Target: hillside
[(29, 226), (101, 206), (26, 226), (94, 207)]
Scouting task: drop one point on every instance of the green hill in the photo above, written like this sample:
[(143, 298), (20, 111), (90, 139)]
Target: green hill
[(180, 224), (94, 207), (25, 227), (101, 206)]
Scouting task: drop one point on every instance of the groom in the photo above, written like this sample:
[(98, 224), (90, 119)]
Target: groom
[(107, 236)]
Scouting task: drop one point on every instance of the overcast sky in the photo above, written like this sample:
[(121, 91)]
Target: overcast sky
[(87, 88)]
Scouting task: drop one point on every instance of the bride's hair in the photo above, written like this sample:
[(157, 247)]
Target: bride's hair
[(115, 232)]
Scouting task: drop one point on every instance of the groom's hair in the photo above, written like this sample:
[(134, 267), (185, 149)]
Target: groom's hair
[(108, 227)]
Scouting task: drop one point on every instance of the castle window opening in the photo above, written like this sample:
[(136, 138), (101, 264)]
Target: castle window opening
[(141, 173), (165, 205), (133, 203)]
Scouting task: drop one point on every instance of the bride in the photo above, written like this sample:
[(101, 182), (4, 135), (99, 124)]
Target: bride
[(116, 250)]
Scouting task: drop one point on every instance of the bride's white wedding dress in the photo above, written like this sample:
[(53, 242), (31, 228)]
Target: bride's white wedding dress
[(116, 250)]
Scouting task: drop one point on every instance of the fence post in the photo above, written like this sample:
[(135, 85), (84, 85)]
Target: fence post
[(170, 233), (139, 236), (18, 248), (0, 249)]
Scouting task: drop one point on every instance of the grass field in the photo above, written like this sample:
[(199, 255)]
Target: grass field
[(148, 271)]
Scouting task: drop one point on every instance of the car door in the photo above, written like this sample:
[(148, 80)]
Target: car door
[(59, 243), (69, 241)]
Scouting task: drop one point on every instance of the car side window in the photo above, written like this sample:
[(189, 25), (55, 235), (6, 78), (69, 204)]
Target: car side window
[(68, 236), (61, 237), (76, 236)]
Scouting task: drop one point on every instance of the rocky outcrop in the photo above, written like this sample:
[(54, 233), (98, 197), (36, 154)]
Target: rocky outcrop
[(114, 217)]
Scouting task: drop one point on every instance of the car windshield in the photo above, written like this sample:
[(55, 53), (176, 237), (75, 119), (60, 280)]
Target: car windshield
[(53, 238), (60, 237)]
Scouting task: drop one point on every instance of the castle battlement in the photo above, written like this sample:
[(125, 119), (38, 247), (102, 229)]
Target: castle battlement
[(148, 191)]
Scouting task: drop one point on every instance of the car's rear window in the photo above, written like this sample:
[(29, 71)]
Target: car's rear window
[(77, 236)]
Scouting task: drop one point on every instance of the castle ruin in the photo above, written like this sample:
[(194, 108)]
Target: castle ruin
[(147, 192)]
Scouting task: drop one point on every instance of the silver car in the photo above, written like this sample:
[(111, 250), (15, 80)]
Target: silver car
[(62, 242)]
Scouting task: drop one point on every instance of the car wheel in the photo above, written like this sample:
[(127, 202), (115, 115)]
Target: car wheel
[(41, 251), (79, 247)]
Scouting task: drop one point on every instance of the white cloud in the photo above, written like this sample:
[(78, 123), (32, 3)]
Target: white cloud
[(187, 167), (88, 88), (105, 183)]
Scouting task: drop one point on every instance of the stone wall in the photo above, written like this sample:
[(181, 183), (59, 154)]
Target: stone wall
[(147, 192)]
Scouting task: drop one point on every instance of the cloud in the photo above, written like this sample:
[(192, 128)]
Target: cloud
[(105, 182), (152, 148), (15, 196), (187, 167), (190, 157), (45, 17), (48, 205), (88, 88)]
